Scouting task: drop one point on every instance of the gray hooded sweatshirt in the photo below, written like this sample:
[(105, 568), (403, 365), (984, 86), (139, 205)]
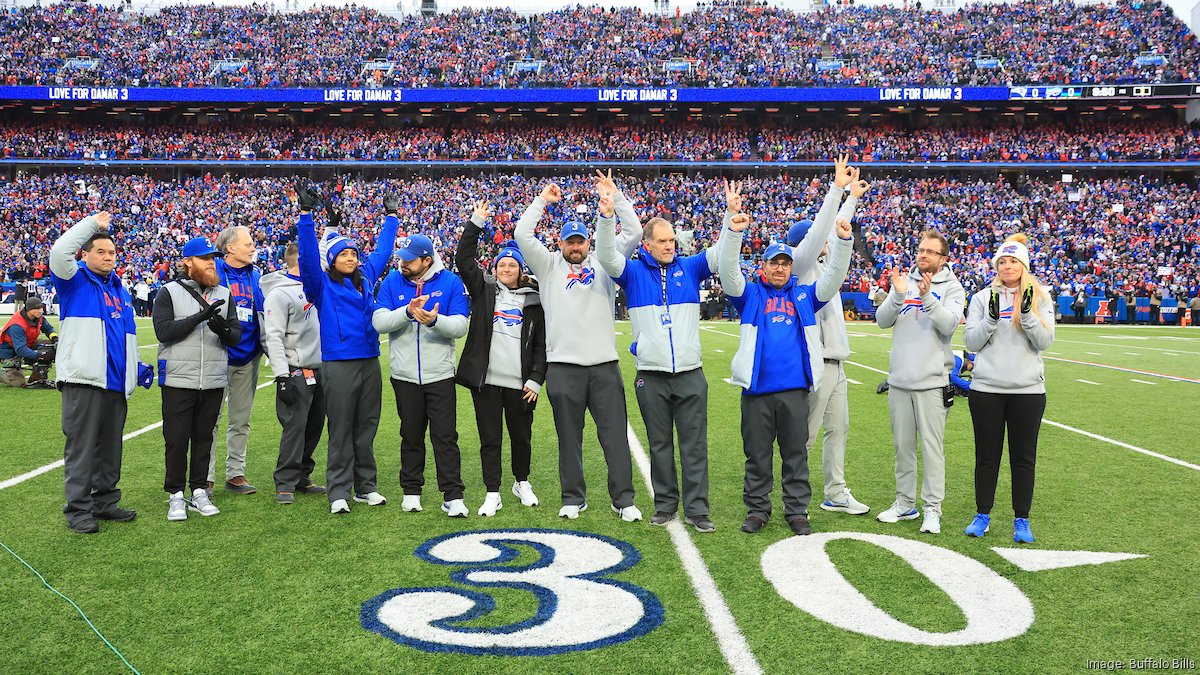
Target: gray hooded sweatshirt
[(1007, 360), (921, 356), (291, 333)]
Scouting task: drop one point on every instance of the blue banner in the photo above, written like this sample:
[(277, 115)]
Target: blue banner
[(605, 95)]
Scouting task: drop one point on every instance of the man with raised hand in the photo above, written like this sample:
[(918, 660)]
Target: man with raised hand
[(778, 362), (829, 404), (581, 350), (97, 368), (664, 306), (924, 307)]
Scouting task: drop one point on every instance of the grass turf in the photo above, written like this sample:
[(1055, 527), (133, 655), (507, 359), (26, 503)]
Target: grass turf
[(265, 588)]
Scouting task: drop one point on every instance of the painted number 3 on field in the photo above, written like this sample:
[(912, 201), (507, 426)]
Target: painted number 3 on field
[(579, 606)]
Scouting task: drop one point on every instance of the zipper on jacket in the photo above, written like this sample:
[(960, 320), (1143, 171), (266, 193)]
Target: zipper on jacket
[(667, 308)]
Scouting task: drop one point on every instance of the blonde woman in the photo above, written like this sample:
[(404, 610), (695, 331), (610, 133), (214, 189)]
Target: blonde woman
[(1009, 324)]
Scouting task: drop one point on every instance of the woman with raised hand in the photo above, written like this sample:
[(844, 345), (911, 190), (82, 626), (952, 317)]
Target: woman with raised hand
[(504, 360), (1009, 324)]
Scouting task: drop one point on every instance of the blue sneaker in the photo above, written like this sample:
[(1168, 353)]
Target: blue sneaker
[(979, 526), (1021, 531)]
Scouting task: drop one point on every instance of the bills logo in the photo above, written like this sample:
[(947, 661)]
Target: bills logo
[(584, 277), (509, 317), (914, 302), (1007, 313), (307, 307), (1010, 249)]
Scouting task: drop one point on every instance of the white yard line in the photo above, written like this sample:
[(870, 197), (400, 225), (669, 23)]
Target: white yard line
[(1127, 446), (855, 363), (1088, 382), (1094, 353), (730, 639), (1141, 381), (853, 381), (16, 480)]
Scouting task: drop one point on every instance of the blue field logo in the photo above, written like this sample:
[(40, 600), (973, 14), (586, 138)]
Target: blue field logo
[(579, 606)]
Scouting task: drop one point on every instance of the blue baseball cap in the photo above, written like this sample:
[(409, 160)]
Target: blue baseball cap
[(573, 229), (797, 232), (416, 246), (777, 249), (198, 247)]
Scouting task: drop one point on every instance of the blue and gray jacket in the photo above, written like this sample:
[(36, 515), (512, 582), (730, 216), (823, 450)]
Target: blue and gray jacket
[(245, 290), (780, 348), (422, 354), (98, 342), (343, 310)]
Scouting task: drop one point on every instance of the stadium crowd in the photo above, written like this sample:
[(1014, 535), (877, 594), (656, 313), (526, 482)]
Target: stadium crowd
[(1096, 234), (1123, 141), (721, 46)]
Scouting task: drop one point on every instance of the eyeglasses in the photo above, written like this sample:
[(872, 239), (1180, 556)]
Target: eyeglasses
[(929, 251), (779, 262)]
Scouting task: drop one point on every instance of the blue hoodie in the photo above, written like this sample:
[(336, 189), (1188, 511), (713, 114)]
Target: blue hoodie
[(344, 311), (245, 291)]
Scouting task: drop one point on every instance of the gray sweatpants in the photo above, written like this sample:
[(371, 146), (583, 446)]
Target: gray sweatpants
[(765, 418), (239, 397), (572, 390), (828, 406), (669, 402), (301, 424), (353, 390), (918, 412), (93, 420)]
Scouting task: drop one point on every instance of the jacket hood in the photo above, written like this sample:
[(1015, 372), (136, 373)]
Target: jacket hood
[(277, 279)]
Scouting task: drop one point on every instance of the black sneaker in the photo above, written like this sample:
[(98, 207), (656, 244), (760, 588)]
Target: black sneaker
[(752, 524), (661, 518), (799, 525), (701, 523), (116, 514), (84, 525), (310, 488)]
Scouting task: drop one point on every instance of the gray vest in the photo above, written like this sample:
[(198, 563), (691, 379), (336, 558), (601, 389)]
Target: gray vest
[(199, 361)]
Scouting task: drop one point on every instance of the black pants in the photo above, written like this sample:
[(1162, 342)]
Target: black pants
[(433, 407), (671, 402), (1131, 313), (494, 406), (189, 416), (990, 414), (1154, 309), (302, 424), (574, 390), (1078, 315), (781, 416), (1195, 318), (93, 420), (353, 391)]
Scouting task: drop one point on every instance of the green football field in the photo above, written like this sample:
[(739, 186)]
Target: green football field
[(270, 588)]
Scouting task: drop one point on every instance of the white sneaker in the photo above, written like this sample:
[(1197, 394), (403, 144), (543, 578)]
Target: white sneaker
[(491, 504), (371, 499), (629, 514), (572, 511), (411, 503), (932, 523), (524, 491), (847, 504), (201, 504), (177, 507), (455, 508), (339, 506), (893, 514)]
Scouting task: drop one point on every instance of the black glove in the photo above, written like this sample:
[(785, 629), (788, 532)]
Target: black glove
[(335, 216), (45, 354), (882, 388), (286, 391), (391, 203), (1027, 299), (220, 326), (212, 310), (994, 306), (308, 197)]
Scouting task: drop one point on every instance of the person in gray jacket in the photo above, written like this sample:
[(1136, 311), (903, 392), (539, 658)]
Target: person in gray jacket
[(581, 351), (925, 308), (195, 323), (1009, 324), (423, 309), (829, 405), (292, 341)]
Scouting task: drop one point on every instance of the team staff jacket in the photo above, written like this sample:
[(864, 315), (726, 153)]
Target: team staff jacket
[(422, 354), (245, 290), (921, 356), (98, 342), (664, 301), (19, 336), (780, 347), (344, 311), (473, 365)]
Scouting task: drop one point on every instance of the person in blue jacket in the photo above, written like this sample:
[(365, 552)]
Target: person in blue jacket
[(345, 300), (778, 361)]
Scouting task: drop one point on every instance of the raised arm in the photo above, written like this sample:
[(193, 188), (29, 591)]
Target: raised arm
[(537, 257), (306, 242), (806, 252), (730, 249), (830, 283), (62, 253), (609, 257), (385, 244), (467, 251)]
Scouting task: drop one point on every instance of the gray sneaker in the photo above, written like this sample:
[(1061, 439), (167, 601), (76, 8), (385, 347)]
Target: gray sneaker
[(201, 504), (701, 523), (662, 518)]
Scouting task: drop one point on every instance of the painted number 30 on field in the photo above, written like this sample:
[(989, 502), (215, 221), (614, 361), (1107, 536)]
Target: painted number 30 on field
[(581, 607)]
